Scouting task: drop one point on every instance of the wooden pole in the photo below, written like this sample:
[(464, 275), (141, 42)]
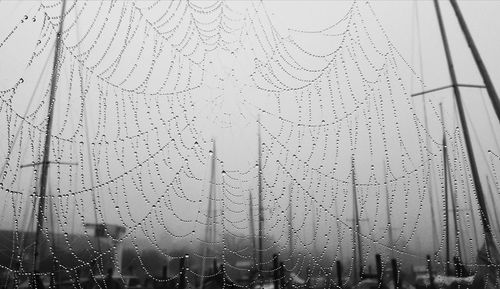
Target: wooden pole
[(465, 129), (490, 88)]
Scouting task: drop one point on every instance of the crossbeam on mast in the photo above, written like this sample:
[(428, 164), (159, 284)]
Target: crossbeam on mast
[(446, 87), (49, 162)]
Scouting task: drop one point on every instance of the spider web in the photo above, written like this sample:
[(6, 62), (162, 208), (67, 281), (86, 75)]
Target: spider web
[(158, 108)]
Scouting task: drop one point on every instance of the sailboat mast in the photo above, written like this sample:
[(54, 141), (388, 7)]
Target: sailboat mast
[(290, 223), (252, 228), (314, 228), (210, 230), (46, 148), (456, 220), (357, 229), (430, 190), (213, 197), (261, 215), (473, 216), (446, 213), (490, 88), (388, 212), (465, 129)]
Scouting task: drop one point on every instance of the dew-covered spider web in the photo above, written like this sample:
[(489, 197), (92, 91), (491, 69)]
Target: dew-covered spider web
[(196, 142)]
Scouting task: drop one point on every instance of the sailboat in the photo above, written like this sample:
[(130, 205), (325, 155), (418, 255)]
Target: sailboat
[(460, 276), (39, 277), (42, 253), (214, 276), (260, 280), (488, 276)]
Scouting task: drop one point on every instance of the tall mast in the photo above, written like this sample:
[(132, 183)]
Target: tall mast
[(261, 215), (46, 148), (213, 197), (430, 191), (429, 179), (210, 229), (290, 223), (252, 227), (456, 220), (388, 212), (473, 216), (468, 144), (314, 229), (358, 254), (490, 88), (446, 213)]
